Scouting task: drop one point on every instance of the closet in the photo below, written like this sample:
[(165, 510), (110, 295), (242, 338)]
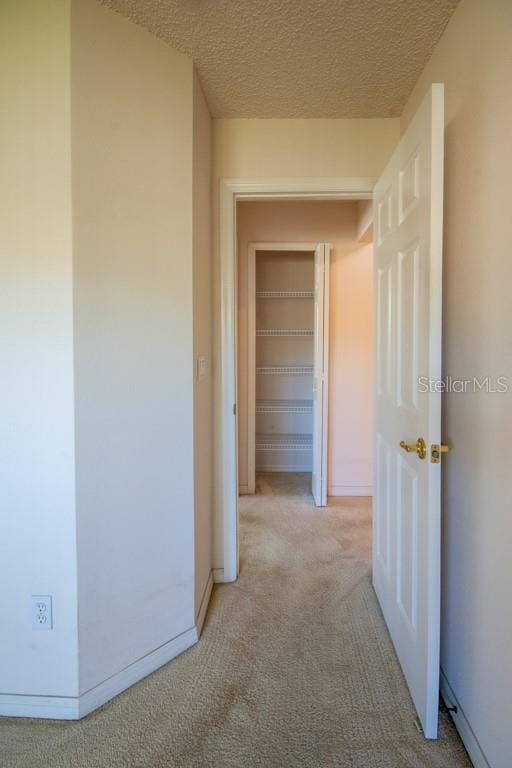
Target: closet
[(287, 352), (284, 295)]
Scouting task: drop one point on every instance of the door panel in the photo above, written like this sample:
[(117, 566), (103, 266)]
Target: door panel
[(407, 540), (384, 295), (407, 326), (408, 260), (383, 493)]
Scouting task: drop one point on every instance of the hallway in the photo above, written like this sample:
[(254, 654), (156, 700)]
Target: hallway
[(294, 667)]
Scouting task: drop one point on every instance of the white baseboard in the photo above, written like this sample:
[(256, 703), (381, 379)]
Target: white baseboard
[(350, 490), (203, 607), (135, 672), (73, 708), (243, 490), (47, 707), (466, 733), (218, 575)]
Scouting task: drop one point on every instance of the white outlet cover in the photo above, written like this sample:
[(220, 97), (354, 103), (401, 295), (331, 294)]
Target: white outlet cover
[(42, 614)]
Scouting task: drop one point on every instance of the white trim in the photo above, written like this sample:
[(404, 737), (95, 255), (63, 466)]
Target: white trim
[(364, 229), (228, 486), (203, 607), (326, 348), (47, 707), (284, 246), (251, 368), (105, 691), (462, 724), (74, 708), (232, 190), (350, 490), (303, 189), (218, 576)]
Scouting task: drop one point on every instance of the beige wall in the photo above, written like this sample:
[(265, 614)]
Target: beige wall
[(202, 341), (37, 506), (287, 149), (350, 363), (474, 60), (132, 142), (298, 148), (105, 267)]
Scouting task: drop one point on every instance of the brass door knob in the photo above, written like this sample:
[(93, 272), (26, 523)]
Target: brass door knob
[(419, 447)]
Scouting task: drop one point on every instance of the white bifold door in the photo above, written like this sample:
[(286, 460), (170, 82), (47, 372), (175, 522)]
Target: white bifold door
[(408, 213), (320, 373)]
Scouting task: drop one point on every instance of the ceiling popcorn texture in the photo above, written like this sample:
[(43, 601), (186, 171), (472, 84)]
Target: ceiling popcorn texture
[(299, 58)]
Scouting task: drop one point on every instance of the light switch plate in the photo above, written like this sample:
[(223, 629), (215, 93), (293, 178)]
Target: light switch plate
[(201, 367)]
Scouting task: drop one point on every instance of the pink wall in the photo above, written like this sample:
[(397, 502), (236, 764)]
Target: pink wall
[(351, 355)]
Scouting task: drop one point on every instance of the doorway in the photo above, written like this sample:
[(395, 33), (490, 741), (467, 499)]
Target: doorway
[(232, 192), (304, 347), (287, 362)]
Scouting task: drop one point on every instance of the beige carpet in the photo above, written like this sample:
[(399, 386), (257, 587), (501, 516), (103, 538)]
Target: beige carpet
[(294, 668)]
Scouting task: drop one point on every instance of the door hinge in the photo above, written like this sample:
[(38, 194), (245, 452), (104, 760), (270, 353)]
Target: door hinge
[(234, 409)]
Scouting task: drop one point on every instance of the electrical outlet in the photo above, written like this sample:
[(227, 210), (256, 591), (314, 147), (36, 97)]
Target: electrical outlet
[(42, 617)]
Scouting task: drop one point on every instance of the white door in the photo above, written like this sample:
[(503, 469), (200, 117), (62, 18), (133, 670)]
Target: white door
[(408, 213), (320, 374)]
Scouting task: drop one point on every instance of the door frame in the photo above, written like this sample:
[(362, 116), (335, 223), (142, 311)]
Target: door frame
[(232, 191), (253, 248)]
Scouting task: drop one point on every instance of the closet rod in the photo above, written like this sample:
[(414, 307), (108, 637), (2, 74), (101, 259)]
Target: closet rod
[(284, 406)]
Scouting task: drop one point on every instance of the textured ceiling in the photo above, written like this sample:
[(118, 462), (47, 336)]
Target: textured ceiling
[(299, 58)]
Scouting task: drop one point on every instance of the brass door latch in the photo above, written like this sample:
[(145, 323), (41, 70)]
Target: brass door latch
[(436, 451)]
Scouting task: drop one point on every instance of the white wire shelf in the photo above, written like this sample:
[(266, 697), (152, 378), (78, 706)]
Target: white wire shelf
[(284, 442), (284, 406), (284, 332), (285, 295), (285, 370), (295, 467)]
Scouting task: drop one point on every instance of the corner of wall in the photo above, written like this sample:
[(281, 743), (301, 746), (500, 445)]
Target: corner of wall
[(203, 357), (132, 127)]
